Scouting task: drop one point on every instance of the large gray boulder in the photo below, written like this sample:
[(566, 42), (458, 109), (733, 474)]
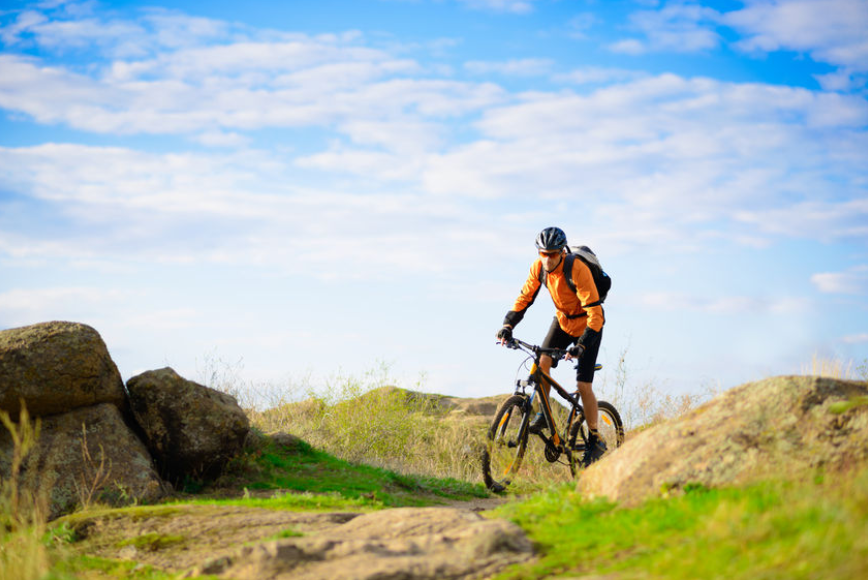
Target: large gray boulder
[(780, 426), (191, 430), (86, 455), (55, 367)]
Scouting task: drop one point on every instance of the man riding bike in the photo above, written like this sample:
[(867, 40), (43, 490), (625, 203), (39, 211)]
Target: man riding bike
[(577, 327)]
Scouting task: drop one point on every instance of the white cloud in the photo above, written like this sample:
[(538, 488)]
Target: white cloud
[(580, 24), (852, 281), (629, 46), (363, 163), (222, 139), (513, 6), (397, 135), (728, 305), (677, 27), (856, 338), (831, 31), (74, 26), (525, 67), (175, 30), (842, 80), (659, 140), (123, 102), (598, 75), (117, 38), (818, 220), (19, 307), (117, 205)]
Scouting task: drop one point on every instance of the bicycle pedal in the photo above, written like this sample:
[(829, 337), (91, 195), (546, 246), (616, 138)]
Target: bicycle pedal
[(511, 445)]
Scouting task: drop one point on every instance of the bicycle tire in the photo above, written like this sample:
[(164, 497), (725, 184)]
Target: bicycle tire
[(609, 425), (506, 443)]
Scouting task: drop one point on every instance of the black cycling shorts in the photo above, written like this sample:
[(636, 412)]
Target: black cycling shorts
[(558, 338)]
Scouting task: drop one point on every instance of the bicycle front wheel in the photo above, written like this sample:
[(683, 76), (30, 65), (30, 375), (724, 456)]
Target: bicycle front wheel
[(506, 443)]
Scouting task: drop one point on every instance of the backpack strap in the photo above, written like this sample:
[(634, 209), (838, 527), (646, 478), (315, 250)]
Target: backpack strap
[(569, 258), (568, 271)]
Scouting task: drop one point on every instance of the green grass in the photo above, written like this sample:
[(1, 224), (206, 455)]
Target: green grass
[(84, 567), (288, 533), (810, 530), (303, 501), (326, 482)]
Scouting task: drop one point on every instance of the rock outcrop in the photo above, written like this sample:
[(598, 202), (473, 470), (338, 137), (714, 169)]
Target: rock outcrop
[(190, 429), (406, 543), (91, 446), (55, 367), (782, 425), (85, 455)]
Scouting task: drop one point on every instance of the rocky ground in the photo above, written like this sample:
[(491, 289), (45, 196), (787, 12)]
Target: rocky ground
[(452, 541)]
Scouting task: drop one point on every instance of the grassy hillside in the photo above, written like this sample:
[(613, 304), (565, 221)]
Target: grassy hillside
[(815, 529), (292, 465), (366, 449)]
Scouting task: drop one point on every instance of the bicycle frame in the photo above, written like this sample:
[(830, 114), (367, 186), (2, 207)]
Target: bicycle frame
[(536, 376)]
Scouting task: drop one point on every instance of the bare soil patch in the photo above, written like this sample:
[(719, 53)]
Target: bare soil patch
[(175, 538)]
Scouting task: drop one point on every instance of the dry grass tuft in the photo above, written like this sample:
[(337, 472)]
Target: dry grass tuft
[(830, 368), (23, 555)]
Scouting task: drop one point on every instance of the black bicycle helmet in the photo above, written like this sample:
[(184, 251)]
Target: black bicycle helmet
[(551, 239)]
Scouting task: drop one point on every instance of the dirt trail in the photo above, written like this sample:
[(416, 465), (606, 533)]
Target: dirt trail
[(177, 538), (478, 505)]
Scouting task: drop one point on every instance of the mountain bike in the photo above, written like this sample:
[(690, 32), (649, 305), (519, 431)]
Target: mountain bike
[(508, 435)]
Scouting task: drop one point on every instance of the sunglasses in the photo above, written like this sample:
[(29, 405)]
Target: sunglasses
[(553, 254)]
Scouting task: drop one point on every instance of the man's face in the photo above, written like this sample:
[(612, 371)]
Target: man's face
[(550, 260)]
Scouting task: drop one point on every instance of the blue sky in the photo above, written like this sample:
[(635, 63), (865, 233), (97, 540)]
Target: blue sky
[(308, 187)]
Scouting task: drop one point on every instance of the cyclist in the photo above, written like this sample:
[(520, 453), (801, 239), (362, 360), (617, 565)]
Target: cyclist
[(577, 327)]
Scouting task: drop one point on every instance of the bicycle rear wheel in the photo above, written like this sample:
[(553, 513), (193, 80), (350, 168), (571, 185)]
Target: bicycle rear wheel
[(609, 426), (506, 443)]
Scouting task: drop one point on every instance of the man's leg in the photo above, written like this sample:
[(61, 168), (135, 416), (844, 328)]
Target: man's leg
[(539, 422), (596, 447), (556, 338), (545, 363), (589, 403)]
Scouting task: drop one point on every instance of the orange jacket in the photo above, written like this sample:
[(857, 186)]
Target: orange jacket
[(572, 316)]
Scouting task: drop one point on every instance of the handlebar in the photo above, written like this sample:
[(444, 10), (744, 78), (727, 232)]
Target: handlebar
[(516, 344)]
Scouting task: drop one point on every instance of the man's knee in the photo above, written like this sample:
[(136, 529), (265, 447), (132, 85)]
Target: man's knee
[(585, 388)]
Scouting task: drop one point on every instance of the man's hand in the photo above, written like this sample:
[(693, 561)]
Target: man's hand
[(574, 351), (504, 335)]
